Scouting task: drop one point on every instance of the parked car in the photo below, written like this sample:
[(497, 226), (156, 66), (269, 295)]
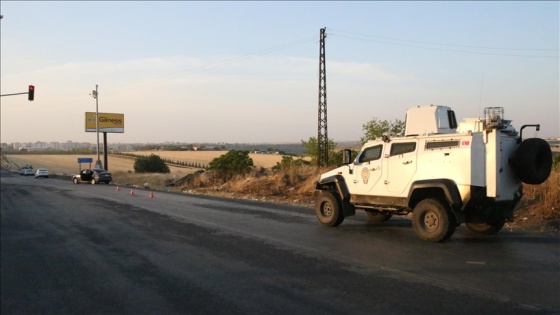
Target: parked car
[(42, 172), (92, 176), (26, 170)]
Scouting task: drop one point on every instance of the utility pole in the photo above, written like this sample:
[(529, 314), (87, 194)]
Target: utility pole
[(98, 164), (322, 134)]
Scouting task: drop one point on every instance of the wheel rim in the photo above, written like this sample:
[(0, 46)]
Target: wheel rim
[(431, 221), (326, 209)]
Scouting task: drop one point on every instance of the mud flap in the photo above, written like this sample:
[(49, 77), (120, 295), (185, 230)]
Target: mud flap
[(348, 209)]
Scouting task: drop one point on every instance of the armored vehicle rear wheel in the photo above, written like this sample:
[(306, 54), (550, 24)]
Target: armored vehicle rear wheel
[(486, 228), (378, 216), (433, 220), (328, 209)]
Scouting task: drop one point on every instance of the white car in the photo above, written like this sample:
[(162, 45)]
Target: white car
[(26, 170), (42, 172)]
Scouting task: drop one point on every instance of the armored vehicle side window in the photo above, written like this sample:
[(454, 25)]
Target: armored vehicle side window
[(370, 154), (402, 148), (441, 144)]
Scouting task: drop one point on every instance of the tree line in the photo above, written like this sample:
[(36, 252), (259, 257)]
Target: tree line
[(236, 162)]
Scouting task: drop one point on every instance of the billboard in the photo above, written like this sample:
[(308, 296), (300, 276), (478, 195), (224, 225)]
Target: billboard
[(107, 122)]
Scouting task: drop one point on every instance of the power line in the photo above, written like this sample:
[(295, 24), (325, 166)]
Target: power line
[(411, 43), (442, 44)]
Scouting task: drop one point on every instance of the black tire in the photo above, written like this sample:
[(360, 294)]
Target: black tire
[(486, 228), (76, 181), (378, 216), (107, 182), (433, 220), (328, 209), (532, 161)]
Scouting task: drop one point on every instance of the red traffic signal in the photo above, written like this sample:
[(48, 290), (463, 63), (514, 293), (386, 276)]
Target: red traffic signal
[(31, 93)]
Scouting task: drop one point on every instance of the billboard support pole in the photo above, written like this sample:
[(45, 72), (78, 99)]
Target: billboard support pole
[(105, 151), (95, 95)]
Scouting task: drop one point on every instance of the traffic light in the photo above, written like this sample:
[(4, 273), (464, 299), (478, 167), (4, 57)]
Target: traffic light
[(31, 93)]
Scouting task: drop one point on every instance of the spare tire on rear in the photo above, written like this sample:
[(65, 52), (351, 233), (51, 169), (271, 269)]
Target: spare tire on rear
[(532, 161)]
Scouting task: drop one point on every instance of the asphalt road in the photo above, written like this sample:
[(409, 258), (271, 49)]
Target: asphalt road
[(90, 249)]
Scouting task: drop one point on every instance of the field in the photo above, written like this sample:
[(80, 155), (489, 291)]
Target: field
[(204, 157), (68, 164), (122, 167)]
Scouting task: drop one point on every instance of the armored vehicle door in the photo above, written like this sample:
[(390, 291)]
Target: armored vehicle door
[(368, 168), (401, 166)]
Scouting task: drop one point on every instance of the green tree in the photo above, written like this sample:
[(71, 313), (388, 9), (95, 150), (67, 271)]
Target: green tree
[(150, 164), (288, 163), (230, 164), (312, 151), (376, 128), (336, 157)]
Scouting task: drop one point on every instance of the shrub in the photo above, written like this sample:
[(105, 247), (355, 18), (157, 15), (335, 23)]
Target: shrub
[(150, 164), (288, 163), (230, 164)]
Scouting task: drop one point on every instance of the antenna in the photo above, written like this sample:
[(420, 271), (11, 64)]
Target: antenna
[(480, 97)]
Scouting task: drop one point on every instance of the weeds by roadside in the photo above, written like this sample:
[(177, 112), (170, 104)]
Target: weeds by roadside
[(539, 207)]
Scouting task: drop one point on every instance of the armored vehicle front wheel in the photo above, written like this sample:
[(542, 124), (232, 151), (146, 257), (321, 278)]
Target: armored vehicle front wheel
[(486, 228), (328, 209), (433, 220), (378, 216)]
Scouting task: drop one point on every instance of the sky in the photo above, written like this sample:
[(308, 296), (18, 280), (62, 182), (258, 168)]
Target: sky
[(248, 72)]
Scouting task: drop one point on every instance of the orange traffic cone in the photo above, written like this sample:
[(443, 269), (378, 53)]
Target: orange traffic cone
[(152, 194), (132, 192), (118, 189)]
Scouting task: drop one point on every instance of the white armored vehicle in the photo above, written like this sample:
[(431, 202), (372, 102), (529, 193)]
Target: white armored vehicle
[(441, 173)]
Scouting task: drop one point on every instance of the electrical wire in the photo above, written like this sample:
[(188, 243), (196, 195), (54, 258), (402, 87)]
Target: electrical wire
[(411, 43)]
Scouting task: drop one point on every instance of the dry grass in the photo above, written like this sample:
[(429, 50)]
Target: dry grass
[(539, 207), (540, 204), (295, 185), (154, 181)]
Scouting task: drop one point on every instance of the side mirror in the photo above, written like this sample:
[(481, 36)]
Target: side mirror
[(346, 153)]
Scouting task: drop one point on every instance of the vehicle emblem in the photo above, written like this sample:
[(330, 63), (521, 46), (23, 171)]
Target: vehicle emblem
[(365, 174)]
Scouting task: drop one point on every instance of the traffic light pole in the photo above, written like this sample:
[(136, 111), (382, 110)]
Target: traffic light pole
[(30, 93), (14, 94)]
